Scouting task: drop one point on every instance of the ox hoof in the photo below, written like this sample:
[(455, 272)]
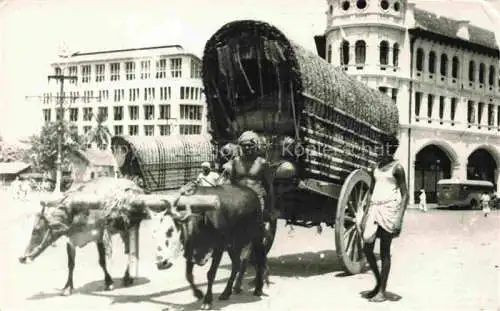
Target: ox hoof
[(109, 287), (237, 290), (258, 292), (198, 293), (127, 281), (206, 306), (225, 295), (66, 291)]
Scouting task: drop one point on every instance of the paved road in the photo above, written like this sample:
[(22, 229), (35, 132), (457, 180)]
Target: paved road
[(444, 260)]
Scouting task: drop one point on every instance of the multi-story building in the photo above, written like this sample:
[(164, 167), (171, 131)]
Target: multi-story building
[(149, 91), (443, 75)]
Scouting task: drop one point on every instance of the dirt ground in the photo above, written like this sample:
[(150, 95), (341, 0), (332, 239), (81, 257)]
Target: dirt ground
[(444, 260)]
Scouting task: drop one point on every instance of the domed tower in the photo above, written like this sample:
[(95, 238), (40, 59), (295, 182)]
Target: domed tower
[(369, 39)]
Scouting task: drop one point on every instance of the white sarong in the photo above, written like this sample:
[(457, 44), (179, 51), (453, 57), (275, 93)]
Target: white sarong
[(384, 214)]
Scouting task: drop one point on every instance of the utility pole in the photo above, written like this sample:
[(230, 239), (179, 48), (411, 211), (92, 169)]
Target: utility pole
[(60, 128)]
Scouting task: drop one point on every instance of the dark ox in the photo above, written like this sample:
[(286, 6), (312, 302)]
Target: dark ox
[(205, 222), (76, 216)]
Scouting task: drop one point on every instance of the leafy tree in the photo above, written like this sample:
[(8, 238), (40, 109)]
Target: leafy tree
[(100, 133), (43, 151)]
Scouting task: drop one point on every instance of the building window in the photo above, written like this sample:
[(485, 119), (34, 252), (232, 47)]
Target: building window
[(99, 73), (118, 113), (395, 55), (133, 130), (145, 69), (87, 114), (149, 112), (165, 93), (432, 62), (453, 110), (190, 112), (176, 67), (133, 95), (444, 65), (418, 103), (441, 109), (115, 71), (481, 73), (73, 72), (480, 110), (87, 95), (455, 67), (86, 71), (73, 114), (164, 112), (384, 53), (361, 4), (189, 129), (46, 115), (471, 113), (360, 53), (430, 106), (329, 54), (149, 93), (86, 129), (149, 130), (133, 112), (195, 69), (384, 4), (164, 130), (118, 129), (491, 78), (130, 70), (491, 116), (103, 112), (344, 53), (119, 95), (161, 69), (73, 96), (420, 59), (472, 70), (103, 95)]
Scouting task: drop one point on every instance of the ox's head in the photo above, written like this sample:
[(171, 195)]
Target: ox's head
[(184, 228), (50, 223)]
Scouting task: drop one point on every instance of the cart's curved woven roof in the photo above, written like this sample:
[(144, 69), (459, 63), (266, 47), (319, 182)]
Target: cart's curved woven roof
[(311, 75), (165, 162)]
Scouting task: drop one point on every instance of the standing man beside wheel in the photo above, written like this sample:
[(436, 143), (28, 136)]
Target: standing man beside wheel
[(384, 218)]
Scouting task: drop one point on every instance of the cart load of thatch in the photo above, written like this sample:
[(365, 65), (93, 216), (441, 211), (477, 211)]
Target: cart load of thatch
[(162, 162), (255, 78)]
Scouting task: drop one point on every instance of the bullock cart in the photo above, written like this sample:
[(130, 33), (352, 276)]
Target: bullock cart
[(320, 128), (162, 163)]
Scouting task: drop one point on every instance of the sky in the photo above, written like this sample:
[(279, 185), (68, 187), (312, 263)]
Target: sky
[(32, 30)]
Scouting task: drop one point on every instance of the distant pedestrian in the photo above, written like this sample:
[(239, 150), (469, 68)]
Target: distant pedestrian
[(485, 203), (422, 205)]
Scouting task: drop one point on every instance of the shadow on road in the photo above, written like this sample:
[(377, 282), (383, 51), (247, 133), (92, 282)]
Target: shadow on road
[(304, 264), (245, 297), (94, 286)]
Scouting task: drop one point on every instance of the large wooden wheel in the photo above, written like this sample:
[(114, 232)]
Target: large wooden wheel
[(351, 205)]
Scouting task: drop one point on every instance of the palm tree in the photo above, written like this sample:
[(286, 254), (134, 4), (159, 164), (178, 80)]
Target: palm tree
[(99, 135)]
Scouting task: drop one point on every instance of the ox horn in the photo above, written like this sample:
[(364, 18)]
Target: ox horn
[(155, 202)]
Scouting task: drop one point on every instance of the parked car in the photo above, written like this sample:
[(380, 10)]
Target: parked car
[(463, 193)]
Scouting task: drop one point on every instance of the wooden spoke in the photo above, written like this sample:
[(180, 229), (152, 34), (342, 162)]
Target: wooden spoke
[(349, 219)]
